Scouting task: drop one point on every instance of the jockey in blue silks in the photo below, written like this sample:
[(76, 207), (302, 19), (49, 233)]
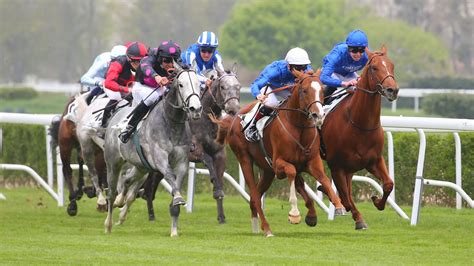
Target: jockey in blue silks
[(342, 63), (95, 76), (203, 56), (276, 75)]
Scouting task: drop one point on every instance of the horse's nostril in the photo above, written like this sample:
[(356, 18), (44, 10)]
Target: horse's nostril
[(192, 109)]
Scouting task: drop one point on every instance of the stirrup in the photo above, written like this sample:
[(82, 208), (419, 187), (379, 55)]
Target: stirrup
[(252, 134)]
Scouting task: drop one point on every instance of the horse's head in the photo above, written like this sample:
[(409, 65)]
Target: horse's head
[(227, 94), (308, 90), (187, 88), (379, 74)]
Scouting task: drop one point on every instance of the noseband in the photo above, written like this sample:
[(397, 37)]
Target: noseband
[(379, 88)]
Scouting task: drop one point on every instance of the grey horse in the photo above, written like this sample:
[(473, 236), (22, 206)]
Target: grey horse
[(164, 141), (222, 96)]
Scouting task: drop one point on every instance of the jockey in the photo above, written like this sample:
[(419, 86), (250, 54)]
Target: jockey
[(152, 78), (203, 56), (120, 75), (276, 75), (342, 63), (95, 76)]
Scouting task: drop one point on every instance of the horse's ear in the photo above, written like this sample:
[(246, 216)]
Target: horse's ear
[(369, 53), (234, 68), (177, 66), (220, 72), (296, 73), (384, 49), (318, 72)]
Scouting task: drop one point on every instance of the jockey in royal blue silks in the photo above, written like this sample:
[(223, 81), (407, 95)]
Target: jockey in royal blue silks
[(203, 56), (343, 61), (276, 75), (95, 76)]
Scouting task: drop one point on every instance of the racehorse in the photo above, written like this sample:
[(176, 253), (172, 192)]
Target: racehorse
[(161, 144), (223, 95), (354, 137), (64, 131), (291, 141)]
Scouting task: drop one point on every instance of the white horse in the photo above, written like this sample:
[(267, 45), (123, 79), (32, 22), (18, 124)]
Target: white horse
[(162, 144)]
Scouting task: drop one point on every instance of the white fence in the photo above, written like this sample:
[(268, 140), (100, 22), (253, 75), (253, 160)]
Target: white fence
[(390, 124)]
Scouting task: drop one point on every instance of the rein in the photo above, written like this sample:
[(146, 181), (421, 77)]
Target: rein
[(219, 92), (185, 102)]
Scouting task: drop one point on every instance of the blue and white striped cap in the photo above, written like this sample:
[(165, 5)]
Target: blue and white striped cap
[(208, 39)]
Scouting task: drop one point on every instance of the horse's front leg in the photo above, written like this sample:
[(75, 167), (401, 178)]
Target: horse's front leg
[(379, 170), (216, 170), (311, 218), (316, 169), (283, 168), (130, 197)]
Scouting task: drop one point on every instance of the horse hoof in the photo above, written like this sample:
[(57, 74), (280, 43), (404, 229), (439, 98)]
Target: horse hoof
[(269, 234), (90, 192), (311, 221), (101, 208), (72, 209), (178, 201), (151, 218), (377, 203), (361, 226), (294, 219), (340, 212), (221, 220)]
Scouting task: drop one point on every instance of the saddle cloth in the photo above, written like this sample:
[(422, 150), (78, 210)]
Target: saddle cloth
[(339, 95), (248, 117)]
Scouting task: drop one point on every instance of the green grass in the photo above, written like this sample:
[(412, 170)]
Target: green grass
[(45, 103), (33, 230)]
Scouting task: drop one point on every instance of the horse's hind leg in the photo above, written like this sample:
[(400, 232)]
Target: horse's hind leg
[(65, 152), (150, 186), (89, 158), (80, 181), (379, 170), (311, 218)]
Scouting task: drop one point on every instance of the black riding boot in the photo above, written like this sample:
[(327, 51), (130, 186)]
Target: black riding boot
[(328, 91), (108, 112), (139, 113), (94, 92), (252, 132)]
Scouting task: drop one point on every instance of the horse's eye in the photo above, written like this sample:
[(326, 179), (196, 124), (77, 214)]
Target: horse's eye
[(180, 85)]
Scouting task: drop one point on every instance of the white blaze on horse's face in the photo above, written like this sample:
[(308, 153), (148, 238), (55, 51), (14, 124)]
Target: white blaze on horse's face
[(189, 90), (321, 114)]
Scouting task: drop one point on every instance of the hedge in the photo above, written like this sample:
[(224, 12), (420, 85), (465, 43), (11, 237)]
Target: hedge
[(17, 93), (450, 105), (25, 144)]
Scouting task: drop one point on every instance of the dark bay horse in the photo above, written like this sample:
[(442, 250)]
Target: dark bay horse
[(65, 132), (354, 137), (292, 142)]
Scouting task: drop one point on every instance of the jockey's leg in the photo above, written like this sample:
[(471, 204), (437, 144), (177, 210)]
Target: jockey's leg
[(96, 91), (252, 131), (140, 111), (328, 91), (108, 112)]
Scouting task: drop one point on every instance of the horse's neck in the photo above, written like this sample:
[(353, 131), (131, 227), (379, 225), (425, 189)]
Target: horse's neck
[(209, 104), (365, 108), (173, 113), (295, 117)]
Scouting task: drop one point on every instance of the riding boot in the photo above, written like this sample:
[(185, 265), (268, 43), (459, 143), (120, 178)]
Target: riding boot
[(105, 117), (96, 91), (252, 132), (328, 91), (139, 113)]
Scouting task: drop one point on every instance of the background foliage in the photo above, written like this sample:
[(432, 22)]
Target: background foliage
[(450, 105)]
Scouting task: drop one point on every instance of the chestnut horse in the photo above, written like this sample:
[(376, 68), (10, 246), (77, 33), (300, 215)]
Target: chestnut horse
[(67, 141), (291, 141), (354, 137)]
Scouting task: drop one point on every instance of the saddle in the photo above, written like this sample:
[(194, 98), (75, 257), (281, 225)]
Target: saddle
[(247, 120)]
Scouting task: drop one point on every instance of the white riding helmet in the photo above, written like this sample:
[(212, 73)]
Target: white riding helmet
[(297, 56), (118, 50)]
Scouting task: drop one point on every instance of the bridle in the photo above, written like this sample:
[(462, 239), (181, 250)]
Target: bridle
[(379, 88), (185, 102), (218, 99)]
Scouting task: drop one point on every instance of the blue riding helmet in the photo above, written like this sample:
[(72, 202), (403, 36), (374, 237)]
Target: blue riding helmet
[(357, 38), (208, 39)]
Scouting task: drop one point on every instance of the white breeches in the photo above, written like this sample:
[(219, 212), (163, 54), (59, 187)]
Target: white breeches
[(146, 94)]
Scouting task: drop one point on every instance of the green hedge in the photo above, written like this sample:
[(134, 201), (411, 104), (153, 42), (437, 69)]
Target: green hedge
[(17, 93), (25, 144), (442, 82), (450, 105)]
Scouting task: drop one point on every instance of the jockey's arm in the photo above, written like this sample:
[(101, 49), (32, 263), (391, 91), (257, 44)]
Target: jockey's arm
[(92, 77), (111, 78)]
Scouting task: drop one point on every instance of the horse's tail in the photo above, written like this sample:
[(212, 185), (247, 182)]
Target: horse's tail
[(224, 127), (53, 131)]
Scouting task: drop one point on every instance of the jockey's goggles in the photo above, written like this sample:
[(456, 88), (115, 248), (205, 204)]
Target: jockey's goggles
[(167, 60), (133, 60), (356, 49), (208, 50), (299, 67)]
